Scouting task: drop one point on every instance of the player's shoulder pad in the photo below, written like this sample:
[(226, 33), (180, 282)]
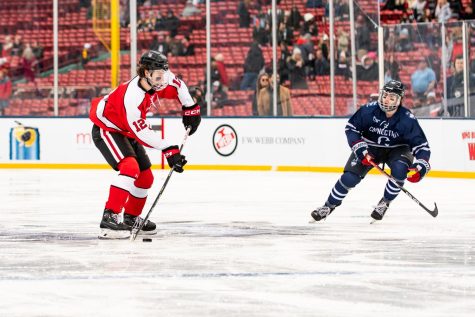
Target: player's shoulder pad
[(174, 81), (370, 106), (408, 113)]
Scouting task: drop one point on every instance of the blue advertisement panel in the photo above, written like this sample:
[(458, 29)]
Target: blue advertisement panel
[(24, 143)]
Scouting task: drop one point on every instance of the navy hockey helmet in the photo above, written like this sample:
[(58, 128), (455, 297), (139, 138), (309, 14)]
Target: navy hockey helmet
[(390, 97), (153, 60)]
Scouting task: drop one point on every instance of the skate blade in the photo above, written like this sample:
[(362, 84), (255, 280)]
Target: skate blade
[(108, 234)]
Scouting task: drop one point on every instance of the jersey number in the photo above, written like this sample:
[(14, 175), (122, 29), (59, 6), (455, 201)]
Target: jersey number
[(140, 125)]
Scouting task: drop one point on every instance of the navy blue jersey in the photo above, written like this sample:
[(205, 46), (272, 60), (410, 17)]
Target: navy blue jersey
[(371, 125)]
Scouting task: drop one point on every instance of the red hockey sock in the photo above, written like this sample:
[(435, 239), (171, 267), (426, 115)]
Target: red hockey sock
[(135, 205), (117, 199), (123, 184), (138, 193)]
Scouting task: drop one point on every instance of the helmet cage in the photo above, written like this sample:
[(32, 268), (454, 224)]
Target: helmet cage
[(158, 79), (391, 104)]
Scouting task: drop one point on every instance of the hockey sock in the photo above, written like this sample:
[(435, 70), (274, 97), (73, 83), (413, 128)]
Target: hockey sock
[(138, 193), (122, 185), (399, 172), (346, 182)]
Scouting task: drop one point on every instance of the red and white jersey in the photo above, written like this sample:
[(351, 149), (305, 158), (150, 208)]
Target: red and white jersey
[(124, 109)]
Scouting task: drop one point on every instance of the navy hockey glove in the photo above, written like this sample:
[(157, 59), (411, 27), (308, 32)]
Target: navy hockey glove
[(174, 158), (360, 148), (191, 117), (422, 167)]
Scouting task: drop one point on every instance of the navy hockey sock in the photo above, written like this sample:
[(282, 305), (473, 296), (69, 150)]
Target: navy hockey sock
[(346, 182)]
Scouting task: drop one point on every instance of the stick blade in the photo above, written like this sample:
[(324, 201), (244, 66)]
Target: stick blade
[(434, 212)]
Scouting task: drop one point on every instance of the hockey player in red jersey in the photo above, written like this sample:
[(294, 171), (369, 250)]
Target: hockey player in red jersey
[(121, 131)]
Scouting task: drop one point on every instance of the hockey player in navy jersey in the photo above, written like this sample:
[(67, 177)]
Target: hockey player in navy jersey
[(381, 131), (121, 131)]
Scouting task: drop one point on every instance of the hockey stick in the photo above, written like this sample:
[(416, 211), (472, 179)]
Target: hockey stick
[(138, 225), (433, 213)]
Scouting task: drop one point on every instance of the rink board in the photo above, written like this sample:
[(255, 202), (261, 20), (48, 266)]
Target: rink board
[(286, 144)]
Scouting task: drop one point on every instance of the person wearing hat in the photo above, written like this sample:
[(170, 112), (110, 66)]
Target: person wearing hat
[(121, 132)]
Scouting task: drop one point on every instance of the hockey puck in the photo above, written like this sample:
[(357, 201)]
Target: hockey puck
[(147, 240)]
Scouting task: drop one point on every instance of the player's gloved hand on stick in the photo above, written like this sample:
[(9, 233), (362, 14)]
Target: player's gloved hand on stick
[(174, 158), (360, 148), (422, 167), (191, 117)]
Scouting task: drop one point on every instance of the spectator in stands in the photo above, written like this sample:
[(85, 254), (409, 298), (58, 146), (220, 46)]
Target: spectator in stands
[(265, 101), (160, 45), (220, 97), (342, 66), (418, 7), (368, 69), (343, 40), (282, 63), (297, 73), (17, 48), (324, 45), (342, 10), (295, 18), (390, 40), (455, 86), (173, 45), (322, 67), (431, 108), (29, 64), (442, 11), (38, 51), (244, 15), (307, 49), (261, 30), (313, 4), (467, 13), (221, 68), (392, 69), (159, 21), (5, 90), (423, 81), (144, 24), (171, 23), (428, 16), (455, 83), (395, 5), (285, 34), (404, 42), (186, 48), (85, 55), (309, 25), (252, 66), (7, 46), (4, 64), (262, 82), (363, 40), (190, 9)]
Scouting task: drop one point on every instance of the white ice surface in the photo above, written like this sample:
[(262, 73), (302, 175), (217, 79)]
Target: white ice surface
[(235, 244)]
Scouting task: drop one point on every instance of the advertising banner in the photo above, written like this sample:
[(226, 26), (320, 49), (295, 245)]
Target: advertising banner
[(314, 144)]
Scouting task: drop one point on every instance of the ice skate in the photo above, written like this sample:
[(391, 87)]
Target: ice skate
[(380, 210), (112, 227), (148, 228), (321, 213)]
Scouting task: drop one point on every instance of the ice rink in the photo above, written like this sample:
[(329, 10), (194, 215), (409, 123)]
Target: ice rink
[(236, 244)]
